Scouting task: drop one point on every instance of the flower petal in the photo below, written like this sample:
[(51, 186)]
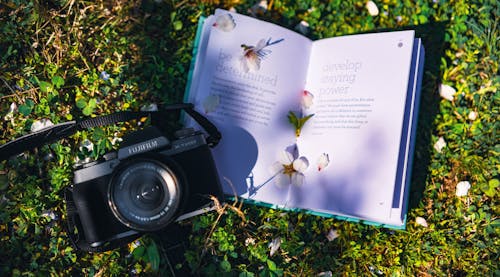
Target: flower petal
[(302, 27), (462, 188), (282, 180), (323, 161), (285, 157), (472, 116), (40, 125), (332, 234), (210, 103), (297, 179), (440, 144), (301, 164), (372, 8), (421, 221), (307, 99), (225, 22), (250, 61), (274, 245), (149, 108), (447, 92), (276, 168)]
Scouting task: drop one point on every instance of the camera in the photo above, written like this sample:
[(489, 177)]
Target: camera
[(152, 181)]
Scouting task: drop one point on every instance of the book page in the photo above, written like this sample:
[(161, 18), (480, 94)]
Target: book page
[(359, 84), (250, 75)]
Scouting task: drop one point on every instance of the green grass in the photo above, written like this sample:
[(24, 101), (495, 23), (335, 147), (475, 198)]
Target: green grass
[(52, 58)]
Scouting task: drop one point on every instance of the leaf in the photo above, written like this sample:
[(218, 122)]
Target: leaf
[(26, 108), (271, 265), (57, 81), (153, 256), (81, 103), (138, 252), (87, 110), (225, 265), (45, 86), (177, 25), (298, 122)]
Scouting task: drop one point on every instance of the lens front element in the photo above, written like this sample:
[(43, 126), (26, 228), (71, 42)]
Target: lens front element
[(144, 195)]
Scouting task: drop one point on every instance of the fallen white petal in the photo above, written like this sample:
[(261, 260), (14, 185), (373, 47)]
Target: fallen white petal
[(87, 144), (421, 221), (307, 99), (12, 108), (225, 22), (447, 92), (332, 234), (285, 157), (440, 144), (210, 103), (372, 8), (150, 108), (323, 161), (274, 245), (302, 27), (325, 274), (41, 124), (472, 116), (462, 188), (301, 164), (297, 179)]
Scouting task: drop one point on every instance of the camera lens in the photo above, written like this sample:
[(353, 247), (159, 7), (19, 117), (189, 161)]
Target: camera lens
[(144, 194)]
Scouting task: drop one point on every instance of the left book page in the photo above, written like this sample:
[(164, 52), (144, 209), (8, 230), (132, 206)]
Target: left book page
[(248, 75)]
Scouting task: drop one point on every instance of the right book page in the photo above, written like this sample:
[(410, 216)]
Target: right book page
[(360, 85)]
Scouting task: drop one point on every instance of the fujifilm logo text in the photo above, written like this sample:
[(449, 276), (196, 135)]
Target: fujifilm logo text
[(146, 146)]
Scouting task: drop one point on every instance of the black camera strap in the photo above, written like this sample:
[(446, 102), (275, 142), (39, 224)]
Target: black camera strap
[(59, 131)]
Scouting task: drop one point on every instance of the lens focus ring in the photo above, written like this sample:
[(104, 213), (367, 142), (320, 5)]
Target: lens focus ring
[(144, 195)]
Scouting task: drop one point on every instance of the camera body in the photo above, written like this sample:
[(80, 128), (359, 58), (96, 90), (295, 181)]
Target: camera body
[(150, 182)]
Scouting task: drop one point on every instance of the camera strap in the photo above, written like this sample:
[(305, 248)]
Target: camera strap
[(63, 130)]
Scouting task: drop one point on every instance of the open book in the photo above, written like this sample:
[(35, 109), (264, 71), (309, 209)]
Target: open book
[(360, 93)]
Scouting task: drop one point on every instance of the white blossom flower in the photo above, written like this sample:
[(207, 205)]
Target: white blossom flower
[(440, 144), (325, 274), (462, 188), (332, 234), (447, 92), (307, 99), (252, 55), (289, 169), (302, 27), (210, 103), (40, 125), (323, 161), (274, 245), (149, 108), (224, 22), (104, 75), (372, 8), (472, 115), (421, 221)]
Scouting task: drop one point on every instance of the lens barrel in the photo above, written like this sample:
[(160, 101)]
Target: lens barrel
[(144, 194)]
